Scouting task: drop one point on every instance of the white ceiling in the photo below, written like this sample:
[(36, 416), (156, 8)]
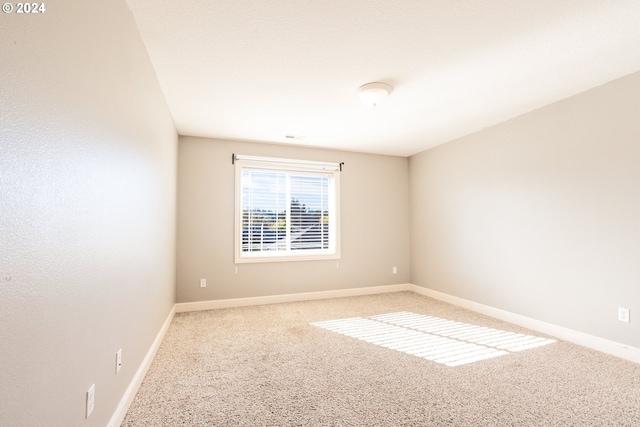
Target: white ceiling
[(260, 70)]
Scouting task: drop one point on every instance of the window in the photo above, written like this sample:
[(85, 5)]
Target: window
[(286, 209)]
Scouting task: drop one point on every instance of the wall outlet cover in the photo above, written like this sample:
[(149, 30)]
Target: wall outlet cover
[(91, 399), (118, 360), (623, 314)]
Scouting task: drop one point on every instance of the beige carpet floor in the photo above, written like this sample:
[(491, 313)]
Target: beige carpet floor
[(287, 365)]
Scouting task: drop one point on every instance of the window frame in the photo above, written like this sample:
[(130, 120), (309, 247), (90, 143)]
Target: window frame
[(288, 166)]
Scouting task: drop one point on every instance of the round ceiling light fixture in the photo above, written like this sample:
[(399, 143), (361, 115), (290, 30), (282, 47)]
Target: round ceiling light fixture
[(374, 93)]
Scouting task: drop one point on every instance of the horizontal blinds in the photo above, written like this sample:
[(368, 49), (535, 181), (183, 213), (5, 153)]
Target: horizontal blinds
[(286, 210), (264, 210), (303, 164), (309, 212)]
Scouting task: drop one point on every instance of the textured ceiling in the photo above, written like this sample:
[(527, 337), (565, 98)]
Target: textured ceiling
[(264, 69)]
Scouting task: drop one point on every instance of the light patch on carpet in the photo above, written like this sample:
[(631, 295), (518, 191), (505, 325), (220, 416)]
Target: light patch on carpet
[(432, 338)]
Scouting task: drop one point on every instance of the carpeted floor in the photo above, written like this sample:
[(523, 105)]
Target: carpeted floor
[(278, 365)]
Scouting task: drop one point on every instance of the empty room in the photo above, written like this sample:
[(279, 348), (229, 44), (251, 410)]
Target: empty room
[(320, 213)]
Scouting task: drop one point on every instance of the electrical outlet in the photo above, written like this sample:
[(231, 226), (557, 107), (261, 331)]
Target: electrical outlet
[(203, 283), (623, 314), (91, 399), (395, 270), (118, 360)]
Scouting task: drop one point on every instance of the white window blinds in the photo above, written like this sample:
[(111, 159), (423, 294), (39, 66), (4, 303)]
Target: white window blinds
[(286, 209)]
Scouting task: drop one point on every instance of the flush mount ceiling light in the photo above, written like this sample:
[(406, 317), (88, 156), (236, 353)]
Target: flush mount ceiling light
[(374, 93)]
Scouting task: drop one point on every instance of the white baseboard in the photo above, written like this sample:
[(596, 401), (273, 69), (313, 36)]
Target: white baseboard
[(275, 299), (130, 393), (590, 341)]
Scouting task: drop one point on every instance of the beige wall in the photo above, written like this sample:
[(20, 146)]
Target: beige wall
[(539, 215), (87, 211), (374, 224)]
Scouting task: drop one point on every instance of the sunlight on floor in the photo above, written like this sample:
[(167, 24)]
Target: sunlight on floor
[(432, 338)]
